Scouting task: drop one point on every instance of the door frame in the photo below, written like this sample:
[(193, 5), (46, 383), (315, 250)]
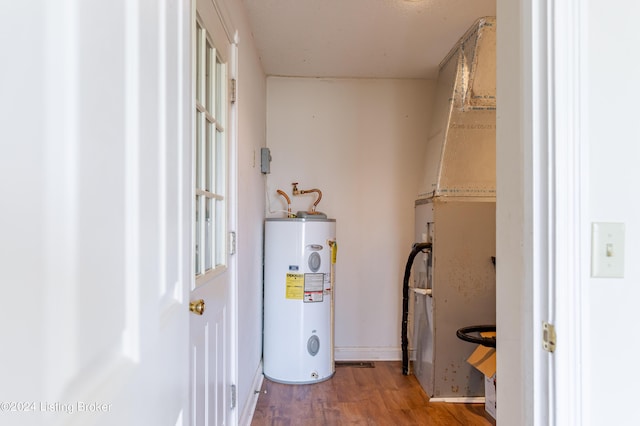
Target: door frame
[(566, 106), (232, 223), (542, 189)]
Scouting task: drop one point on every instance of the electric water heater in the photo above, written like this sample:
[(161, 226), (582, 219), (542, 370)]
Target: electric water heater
[(298, 299)]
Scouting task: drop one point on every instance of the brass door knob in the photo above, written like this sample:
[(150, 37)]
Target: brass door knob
[(197, 307)]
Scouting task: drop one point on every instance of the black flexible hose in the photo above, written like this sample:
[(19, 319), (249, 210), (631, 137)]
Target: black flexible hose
[(417, 248)]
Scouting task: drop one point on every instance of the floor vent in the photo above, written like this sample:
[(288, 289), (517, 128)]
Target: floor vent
[(357, 364)]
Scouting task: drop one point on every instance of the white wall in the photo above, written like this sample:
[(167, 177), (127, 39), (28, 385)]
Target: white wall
[(613, 197), (513, 222), (361, 142), (251, 136)]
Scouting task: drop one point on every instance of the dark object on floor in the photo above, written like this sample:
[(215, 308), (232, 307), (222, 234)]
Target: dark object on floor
[(357, 364)]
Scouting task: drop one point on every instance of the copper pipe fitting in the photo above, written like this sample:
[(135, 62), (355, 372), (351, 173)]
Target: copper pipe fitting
[(315, 204), (286, 197)]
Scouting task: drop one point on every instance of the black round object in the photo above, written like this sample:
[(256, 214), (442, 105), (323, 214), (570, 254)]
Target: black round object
[(465, 333)]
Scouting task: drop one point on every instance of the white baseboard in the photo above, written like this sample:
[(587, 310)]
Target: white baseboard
[(367, 354), (250, 406)]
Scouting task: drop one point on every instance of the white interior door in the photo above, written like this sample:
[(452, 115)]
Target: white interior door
[(99, 178), (211, 342)]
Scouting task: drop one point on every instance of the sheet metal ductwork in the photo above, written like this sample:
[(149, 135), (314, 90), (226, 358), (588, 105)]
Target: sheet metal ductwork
[(454, 282), (461, 148)]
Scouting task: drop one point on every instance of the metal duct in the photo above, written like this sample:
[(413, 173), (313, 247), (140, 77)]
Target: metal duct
[(461, 155)]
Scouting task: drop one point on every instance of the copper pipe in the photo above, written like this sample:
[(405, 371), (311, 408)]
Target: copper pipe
[(297, 191), (286, 197), (307, 191)]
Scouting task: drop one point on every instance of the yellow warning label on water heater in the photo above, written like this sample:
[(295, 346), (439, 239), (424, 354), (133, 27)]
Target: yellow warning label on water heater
[(295, 286)]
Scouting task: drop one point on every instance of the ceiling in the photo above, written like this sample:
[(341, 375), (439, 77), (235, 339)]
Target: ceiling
[(359, 38)]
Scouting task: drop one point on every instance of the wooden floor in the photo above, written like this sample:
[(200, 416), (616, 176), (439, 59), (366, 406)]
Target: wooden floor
[(361, 396)]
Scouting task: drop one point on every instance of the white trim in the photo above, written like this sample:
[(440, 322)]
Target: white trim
[(568, 25), (367, 354), (60, 195), (232, 222), (186, 97), (162, 129), (250, 405), (538, 204), (132, 173), (225, 18), (558, 182)]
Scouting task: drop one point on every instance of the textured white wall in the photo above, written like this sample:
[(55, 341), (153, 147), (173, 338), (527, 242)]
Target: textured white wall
[(613, 197), (361, 142)]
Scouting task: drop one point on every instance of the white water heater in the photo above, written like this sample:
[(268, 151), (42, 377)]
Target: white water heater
[(298, 299)]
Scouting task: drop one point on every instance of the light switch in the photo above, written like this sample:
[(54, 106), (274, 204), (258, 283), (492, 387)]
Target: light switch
[(607, 250)]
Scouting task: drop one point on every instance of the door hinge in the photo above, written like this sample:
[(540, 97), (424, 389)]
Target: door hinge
[(233, 396), (232, 243), (548, 337), (232, 91)]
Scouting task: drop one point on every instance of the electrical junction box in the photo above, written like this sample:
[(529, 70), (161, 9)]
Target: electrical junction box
[(265, 160)]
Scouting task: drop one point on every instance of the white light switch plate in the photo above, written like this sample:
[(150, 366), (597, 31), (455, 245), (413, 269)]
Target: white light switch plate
[(607, 250)]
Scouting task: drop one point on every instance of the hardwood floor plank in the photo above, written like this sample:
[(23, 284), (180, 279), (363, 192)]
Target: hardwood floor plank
[(355, 395)]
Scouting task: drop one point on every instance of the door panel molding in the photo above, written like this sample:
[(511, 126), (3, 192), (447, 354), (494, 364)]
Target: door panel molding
[(95, 327)]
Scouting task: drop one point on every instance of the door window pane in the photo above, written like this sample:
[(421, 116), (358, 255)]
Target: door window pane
[(210, 153)]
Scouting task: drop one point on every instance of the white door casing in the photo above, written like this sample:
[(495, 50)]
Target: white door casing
[(558, 190), (566, 24), (541, 152), (212, 334), (104, 171)]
